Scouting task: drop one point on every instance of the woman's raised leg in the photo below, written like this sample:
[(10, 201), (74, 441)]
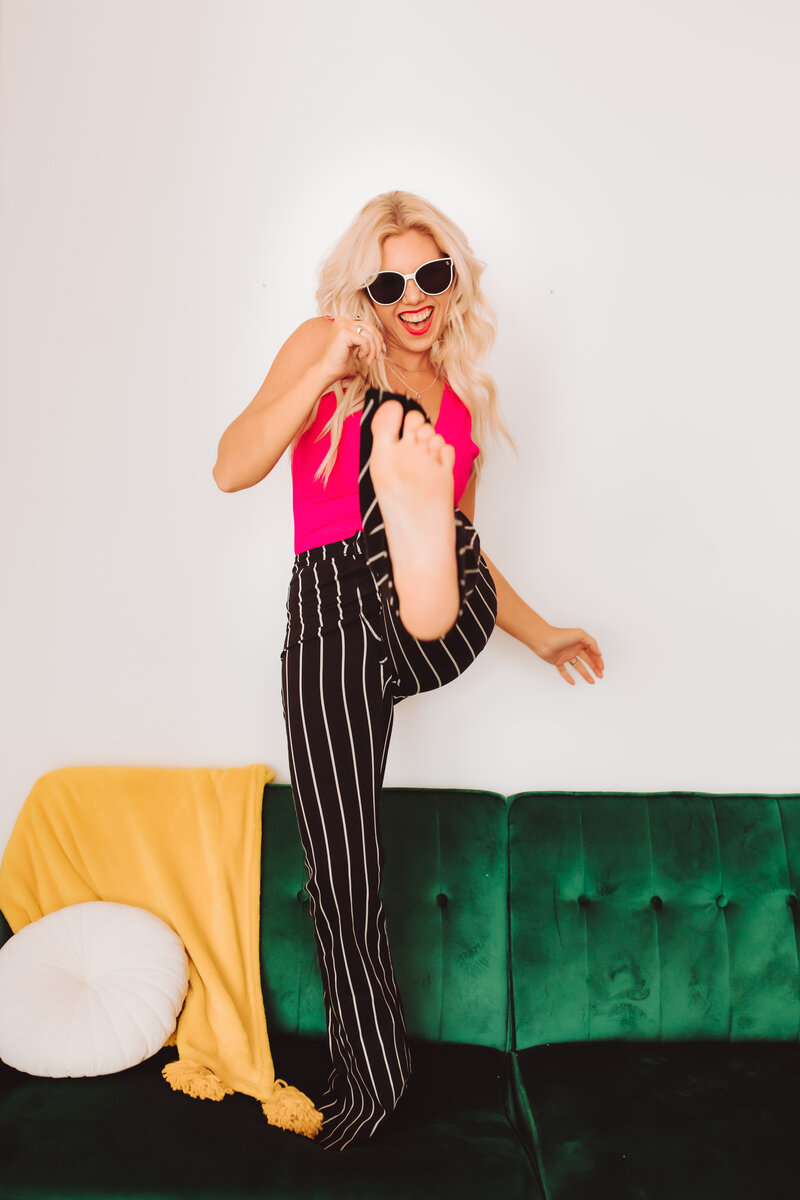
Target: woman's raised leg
[(413, 485), (423, 664)]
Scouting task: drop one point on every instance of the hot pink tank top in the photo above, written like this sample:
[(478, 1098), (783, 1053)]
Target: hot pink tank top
[(330, 514)]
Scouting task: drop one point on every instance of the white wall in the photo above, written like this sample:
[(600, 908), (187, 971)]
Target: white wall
[(172, 174)]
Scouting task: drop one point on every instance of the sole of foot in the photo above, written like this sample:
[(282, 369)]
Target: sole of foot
[(413, 481)]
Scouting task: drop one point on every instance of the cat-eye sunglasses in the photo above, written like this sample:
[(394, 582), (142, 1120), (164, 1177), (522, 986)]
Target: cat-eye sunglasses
[(432, 278)]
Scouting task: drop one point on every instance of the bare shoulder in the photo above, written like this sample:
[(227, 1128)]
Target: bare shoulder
[(301, 350), (304, 344)]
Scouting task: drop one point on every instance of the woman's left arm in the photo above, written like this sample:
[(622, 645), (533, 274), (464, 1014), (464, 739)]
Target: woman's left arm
[(552, 643)]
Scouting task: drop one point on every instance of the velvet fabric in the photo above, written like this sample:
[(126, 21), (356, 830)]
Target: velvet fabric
[(127, 1137), (662, 915), (656, 992), (446, 897), (654, 1053), (706, 1120), (445, 890)]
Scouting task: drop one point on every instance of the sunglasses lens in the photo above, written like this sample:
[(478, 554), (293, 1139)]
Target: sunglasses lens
[(387, 287), (432, 278), (435, 277)]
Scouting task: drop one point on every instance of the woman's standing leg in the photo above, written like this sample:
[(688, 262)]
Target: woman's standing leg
[(338, 710)]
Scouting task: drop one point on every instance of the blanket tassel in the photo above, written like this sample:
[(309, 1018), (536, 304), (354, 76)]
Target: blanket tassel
[(291, 1109), (183, 1075)]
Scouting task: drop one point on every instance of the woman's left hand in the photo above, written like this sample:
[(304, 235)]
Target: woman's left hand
[(560, 645)]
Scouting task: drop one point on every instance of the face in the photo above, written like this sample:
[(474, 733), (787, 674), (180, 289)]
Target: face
[(405, 252)]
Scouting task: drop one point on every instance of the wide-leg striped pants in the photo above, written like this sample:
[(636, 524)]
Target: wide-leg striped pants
[(346, 661)]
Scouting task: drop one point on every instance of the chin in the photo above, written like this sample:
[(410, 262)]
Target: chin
[(419, 339)]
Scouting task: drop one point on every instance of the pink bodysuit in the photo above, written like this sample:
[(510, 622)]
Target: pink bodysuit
[(330, 514)]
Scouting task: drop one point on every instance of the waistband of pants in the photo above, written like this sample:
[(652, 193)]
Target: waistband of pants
[(347, 550)]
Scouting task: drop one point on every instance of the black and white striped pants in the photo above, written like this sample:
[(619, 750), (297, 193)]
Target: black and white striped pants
[(346, 661)]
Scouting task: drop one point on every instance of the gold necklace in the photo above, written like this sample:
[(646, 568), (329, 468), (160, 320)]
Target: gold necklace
[(408, 385)]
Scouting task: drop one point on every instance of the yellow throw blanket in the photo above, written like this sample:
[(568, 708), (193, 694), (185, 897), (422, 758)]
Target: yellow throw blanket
[(184, 843)]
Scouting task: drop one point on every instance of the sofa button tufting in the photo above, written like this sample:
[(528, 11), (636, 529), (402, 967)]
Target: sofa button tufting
[(656, 902), (722, 901), (441, 900), (583, 900), (302, 896)]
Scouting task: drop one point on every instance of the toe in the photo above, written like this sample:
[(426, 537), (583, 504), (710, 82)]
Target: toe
[(413, 423), (386, 422)]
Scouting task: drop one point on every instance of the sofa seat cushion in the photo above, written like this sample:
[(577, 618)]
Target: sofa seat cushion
[(130, 1135), (694, 1120)]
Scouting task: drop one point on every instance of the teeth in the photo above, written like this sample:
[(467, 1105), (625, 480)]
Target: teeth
[(418, 318)]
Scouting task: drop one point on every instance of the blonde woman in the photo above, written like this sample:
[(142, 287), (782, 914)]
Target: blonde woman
[(379, 398)]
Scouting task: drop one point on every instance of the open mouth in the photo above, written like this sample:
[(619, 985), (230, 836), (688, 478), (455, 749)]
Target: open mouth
[(419, 321)]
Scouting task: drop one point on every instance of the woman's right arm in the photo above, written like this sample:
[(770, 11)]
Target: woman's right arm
[(307, 365)]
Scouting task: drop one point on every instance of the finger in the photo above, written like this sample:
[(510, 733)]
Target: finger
[(425, 432), (564, 673), (368, 334), (374, 342), (360, 342), (577, 666), (380, 337), (581, 669), (594, 665), (593, 653), (593, 648)]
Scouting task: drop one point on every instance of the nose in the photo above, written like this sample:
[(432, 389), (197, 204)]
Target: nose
[(412, 295)]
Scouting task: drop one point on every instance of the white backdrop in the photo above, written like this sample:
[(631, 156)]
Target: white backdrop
[(172, 174)]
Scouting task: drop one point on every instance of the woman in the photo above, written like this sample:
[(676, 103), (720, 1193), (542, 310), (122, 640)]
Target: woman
[(390, 594)]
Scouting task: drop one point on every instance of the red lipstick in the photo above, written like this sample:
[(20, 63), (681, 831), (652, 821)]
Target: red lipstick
[(417, 330)]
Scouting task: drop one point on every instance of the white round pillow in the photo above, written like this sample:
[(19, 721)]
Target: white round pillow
[(90, 989)]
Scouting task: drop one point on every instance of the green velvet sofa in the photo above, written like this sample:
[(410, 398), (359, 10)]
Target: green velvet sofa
[(602, 992)]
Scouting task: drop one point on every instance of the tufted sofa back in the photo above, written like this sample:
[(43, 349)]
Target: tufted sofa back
[(445, 893), (665, 915)]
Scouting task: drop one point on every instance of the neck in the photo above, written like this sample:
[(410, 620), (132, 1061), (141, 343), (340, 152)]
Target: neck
[(416, 385), (415, 381), (410, 364)]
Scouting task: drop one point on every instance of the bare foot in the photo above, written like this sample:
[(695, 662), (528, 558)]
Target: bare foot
[(413, 481)]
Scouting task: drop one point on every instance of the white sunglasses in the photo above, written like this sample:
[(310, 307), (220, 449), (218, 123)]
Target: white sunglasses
[(432, 278)]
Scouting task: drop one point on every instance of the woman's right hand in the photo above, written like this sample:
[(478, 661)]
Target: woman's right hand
[(345, 347)]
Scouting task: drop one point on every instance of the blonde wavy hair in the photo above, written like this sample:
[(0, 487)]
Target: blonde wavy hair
[(468, 333)]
